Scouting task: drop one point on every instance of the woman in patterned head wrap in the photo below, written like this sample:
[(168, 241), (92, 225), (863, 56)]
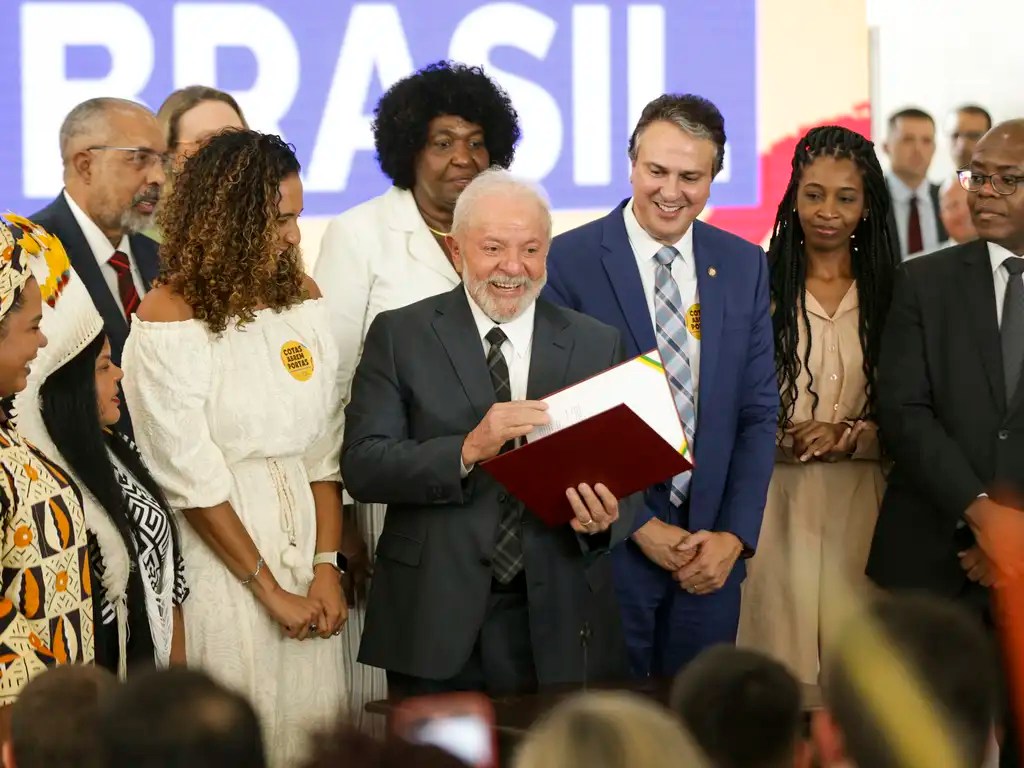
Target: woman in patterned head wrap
[(46, 605)]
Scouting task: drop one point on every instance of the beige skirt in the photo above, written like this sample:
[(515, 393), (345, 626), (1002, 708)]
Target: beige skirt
[(814, 545)]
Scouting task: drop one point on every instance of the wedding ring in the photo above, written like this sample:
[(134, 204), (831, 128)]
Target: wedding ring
[(588, 523)]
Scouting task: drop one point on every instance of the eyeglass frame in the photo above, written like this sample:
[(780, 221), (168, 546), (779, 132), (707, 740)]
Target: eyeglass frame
[(964, 176), (158, 158)]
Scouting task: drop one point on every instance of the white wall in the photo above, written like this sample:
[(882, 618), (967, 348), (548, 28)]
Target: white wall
[(937, 54)]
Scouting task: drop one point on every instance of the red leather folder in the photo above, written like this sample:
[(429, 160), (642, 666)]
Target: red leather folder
[(615, 447)]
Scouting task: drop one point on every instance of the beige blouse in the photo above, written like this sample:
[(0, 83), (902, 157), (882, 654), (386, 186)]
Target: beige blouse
[(837, 363)]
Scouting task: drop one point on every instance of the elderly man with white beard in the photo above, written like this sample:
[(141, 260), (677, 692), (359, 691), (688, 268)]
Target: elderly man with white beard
[(470, 590)]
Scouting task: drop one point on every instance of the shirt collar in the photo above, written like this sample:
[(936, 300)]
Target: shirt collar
[(902, 192), (519, 331), (646, 246), (98, 242), (997, 255)]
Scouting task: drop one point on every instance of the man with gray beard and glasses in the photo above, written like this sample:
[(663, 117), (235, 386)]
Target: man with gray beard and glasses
[(113, 152), (471, 591)]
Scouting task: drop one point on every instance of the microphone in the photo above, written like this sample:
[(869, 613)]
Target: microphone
[(585, 644)]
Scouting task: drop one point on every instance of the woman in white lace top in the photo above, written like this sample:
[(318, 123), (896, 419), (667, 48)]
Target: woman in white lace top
[(229, 377)]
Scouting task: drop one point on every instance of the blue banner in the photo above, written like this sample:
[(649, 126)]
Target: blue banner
[(578, 73)]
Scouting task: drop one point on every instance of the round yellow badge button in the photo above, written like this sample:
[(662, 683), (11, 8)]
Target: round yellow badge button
[(297, 360), (693, 321)]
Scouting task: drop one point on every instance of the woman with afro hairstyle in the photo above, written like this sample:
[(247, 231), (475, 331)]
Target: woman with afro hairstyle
[(434, 132), (832, 261), (229, 375)]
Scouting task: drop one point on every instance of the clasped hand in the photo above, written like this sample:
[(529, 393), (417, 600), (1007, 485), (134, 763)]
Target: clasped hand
[(323, 611), (818, 439), (700, 562)]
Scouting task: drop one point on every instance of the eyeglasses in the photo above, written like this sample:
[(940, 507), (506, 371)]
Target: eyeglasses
[(141, 157), (1002, 183)]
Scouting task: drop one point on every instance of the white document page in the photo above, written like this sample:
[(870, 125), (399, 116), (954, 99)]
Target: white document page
[(639, 383)]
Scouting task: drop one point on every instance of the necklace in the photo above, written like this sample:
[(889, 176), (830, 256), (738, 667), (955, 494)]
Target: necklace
[(437, 232)]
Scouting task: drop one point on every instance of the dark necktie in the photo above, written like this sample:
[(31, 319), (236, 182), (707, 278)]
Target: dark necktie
[(508, 549), (125, 284), (1012, 329), (915, 240)]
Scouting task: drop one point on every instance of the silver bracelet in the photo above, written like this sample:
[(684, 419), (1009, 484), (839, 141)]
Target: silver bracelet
[(252, 577)]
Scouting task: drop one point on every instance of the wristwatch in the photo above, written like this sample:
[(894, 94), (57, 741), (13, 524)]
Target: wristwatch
[(333, 559)]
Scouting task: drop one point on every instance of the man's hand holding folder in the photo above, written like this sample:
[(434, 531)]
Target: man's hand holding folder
[(594, 508)]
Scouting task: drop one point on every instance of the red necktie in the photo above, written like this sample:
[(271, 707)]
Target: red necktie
[(915, 241), (125, 284)]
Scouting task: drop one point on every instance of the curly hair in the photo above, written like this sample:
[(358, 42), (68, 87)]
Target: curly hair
[(403, 115), (220, 230), (874, 259)]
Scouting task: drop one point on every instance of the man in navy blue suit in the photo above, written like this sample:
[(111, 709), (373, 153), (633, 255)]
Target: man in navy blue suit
[(700, 296)]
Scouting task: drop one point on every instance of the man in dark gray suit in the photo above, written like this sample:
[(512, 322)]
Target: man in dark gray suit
[(471, 591)]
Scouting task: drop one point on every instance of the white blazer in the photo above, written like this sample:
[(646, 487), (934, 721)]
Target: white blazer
[(374, 257)]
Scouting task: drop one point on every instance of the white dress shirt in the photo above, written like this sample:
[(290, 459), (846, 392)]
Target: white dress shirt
[(1000, 276), (901, 195), (516, 349), (684, 271), (102, 250)]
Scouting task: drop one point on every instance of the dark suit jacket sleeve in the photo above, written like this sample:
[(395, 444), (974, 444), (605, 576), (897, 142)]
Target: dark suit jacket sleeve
[(379, 463), (629, 507), (910, 429), (753, 457)]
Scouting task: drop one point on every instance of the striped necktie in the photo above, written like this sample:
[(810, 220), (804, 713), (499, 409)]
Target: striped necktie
[(670, 328), (125, 284)]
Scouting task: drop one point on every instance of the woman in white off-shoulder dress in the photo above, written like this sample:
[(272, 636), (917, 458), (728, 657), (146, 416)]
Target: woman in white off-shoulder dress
[(230, 382)]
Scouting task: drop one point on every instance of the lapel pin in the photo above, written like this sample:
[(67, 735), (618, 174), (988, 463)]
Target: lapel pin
[(712, 271)]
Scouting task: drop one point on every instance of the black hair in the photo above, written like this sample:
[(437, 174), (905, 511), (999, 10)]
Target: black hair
[(974, 109), (743, 708), (16, 304), (403, 115), (693, 114), (874, 259), (178, 717), (945, 652), (912, 113), (72, 419)]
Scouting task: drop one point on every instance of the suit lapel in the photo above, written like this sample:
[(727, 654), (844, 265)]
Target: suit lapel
[(405, 217), (146, 253), (84, 262), (620, 265), (455, 327), (710, 276), (549, 353), (980, 296)]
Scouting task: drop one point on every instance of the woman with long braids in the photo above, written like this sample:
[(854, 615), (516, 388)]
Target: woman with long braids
[(229, 375), (832, 259)]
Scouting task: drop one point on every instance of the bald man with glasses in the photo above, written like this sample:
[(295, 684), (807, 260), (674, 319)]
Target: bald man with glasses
[(951, 398), (114, 155)]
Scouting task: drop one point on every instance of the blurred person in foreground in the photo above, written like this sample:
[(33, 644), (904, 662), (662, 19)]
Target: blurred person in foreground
[(55, 721), (179, 717), (744, 709), (911, 683), (608, 730), (348, 747), (832, 259), (471, 591), (434, 131), (951, 401), (229, 372)]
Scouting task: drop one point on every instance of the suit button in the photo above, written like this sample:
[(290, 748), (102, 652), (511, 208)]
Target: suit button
[(485, 562), (1004, 434), (662, 487), (502, 497)]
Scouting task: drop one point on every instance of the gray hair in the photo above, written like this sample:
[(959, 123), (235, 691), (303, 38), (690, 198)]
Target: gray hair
[(493, 182), (693, 115), (89, 117)]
